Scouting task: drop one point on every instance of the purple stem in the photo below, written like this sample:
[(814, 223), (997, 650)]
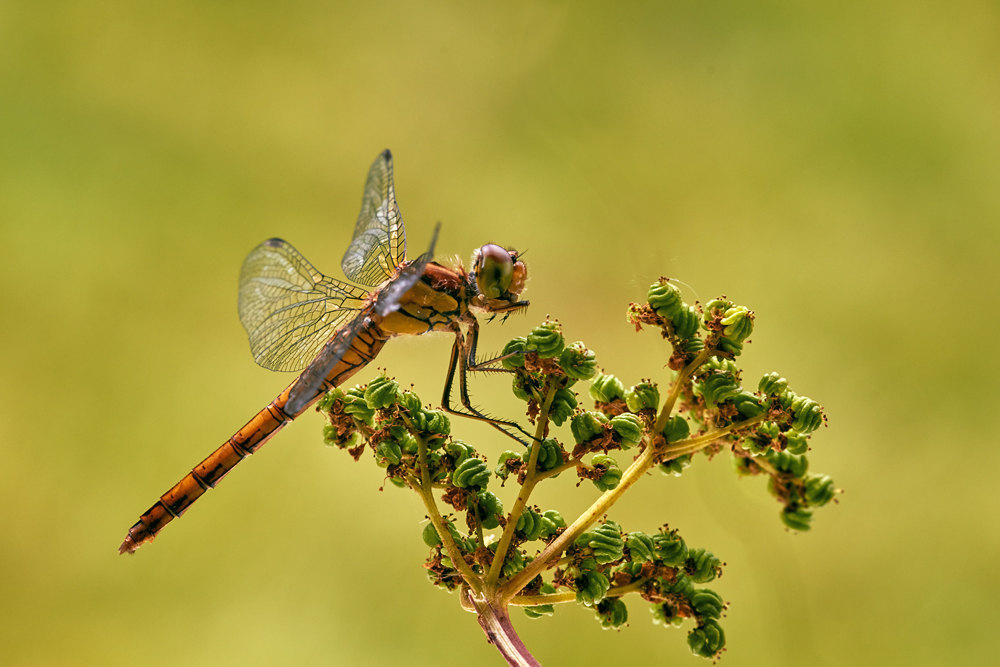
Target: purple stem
[(500, 632)]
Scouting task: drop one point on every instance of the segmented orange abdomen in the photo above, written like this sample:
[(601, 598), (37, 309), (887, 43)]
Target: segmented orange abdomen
[(246, 441)]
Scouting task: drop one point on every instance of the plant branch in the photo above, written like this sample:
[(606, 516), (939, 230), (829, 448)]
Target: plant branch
[(427, 495), (495, 622), (558, 598), (649, 457), (522, 497)]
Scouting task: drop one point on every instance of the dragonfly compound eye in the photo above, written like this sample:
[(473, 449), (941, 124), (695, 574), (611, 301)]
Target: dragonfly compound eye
[(494, 271)]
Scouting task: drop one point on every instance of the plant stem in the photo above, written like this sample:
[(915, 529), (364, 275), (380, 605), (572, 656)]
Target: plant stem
[(522, 497), (495, 622), (427, 495), (557, 598), (649, 457), (677, 387)]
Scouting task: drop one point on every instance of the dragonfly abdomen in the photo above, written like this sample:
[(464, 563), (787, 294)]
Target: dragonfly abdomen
[(207, 474)]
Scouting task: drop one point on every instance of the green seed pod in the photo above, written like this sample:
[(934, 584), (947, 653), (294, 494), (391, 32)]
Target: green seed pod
[(606, 541), (797, 443), (666, 614), (381, 392), (356, 406), (788, 463), (329, 398), (546, 339), (529, 524), (629, 427), (670, 549), (643, 396), (489, 510), (685, 321), (819, 490), (786, 398), (716, 307), (606, 388), (471, 473), (768, 430), (720, 365), (747, 404), (563, 405), (676, 466), (693, 345), (388, 452), (717, 388), (764, 436), (676, 429), (737, 323), (612, 614), (682, 586), (707, 603), (664, 298), (430, 536), (592, 586), (772, 384), (431, 421), (404, 439), (514, 562), (330, 437), (587, 425), (459, 451), (516, 348), (431, 539), (707, 639), (549, 455), (410, 402), (640, 546), (702, 566), (612, 475), (552, 521), (631, 567), (807, 415), (578, 362), (796, 518), (542, 609), (501, 470), (522, 387), (730, 346)]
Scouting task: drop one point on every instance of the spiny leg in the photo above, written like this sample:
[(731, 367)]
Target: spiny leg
[(457, 363)]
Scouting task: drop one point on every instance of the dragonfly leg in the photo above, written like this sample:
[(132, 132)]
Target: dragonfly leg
[(458, 365)]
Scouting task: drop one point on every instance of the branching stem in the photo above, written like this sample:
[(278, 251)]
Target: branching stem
[(424, 488), (530, 480)]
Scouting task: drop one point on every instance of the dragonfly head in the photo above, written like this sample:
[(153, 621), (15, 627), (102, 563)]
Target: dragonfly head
[(499, 277)]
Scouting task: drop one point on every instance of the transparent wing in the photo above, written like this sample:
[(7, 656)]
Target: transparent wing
[(288, 308), (388, 298), (311, 380), (379, 243)]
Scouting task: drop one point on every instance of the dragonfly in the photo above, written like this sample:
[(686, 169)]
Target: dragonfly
[(298, 319)]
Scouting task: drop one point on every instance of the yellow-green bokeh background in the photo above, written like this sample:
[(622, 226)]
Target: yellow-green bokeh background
[(833, 165)]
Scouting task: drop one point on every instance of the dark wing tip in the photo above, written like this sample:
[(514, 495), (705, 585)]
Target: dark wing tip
[(387, 154), (274, 242)]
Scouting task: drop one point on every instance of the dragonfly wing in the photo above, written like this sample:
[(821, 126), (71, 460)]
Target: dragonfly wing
[(309, 383), (379, 243), (288, 308), (388, 298)]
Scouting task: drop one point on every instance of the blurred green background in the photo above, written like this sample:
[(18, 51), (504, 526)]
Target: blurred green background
[(833, 165)]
